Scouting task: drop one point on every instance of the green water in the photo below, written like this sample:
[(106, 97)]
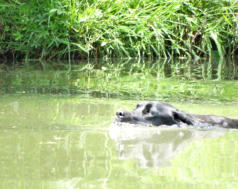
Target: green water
[(178, 80), (56, 141), (55, 126)]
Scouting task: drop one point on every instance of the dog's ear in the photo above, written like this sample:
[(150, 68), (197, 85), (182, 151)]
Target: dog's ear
[(147, 108), (182, 117)]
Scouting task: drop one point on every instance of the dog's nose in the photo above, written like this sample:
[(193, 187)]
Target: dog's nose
[(120, 113)]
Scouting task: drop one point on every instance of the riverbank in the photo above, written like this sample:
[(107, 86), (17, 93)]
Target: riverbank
[(108, 29)]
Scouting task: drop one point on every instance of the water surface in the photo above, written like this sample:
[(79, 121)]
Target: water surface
[(178, 80), (55, 125), (59, 141)]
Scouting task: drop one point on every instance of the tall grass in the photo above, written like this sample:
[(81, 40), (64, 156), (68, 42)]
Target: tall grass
[(117, 28)]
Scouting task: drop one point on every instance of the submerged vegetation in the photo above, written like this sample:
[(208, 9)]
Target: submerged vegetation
[(122, 28)]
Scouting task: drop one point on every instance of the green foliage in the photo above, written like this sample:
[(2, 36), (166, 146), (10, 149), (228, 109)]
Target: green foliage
[(107, 28)]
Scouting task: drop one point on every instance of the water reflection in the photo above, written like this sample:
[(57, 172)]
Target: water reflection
[(58, 158), (154, 147), (53, 112), (97, 77), (64, 142)]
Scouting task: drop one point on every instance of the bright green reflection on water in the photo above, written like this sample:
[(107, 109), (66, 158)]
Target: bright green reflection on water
[(52, 141), (177, 80)]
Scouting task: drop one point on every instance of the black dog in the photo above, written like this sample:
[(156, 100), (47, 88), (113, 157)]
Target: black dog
[(158, 113)]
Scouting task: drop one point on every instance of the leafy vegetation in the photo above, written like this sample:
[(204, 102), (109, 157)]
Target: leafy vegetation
[(123, 28)]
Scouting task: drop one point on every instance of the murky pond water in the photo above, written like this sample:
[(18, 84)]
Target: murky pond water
[(55, 126), (59, 141)]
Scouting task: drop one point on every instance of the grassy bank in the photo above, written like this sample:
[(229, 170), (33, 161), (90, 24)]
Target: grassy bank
[(122, 28)]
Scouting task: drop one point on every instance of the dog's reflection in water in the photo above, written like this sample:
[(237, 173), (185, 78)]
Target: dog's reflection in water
[(152, 146)]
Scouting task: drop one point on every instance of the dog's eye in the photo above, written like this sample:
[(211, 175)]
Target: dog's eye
[(138, 105), (147, 109)]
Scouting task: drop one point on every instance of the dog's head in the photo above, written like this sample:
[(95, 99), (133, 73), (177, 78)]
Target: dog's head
[(154, 113)]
